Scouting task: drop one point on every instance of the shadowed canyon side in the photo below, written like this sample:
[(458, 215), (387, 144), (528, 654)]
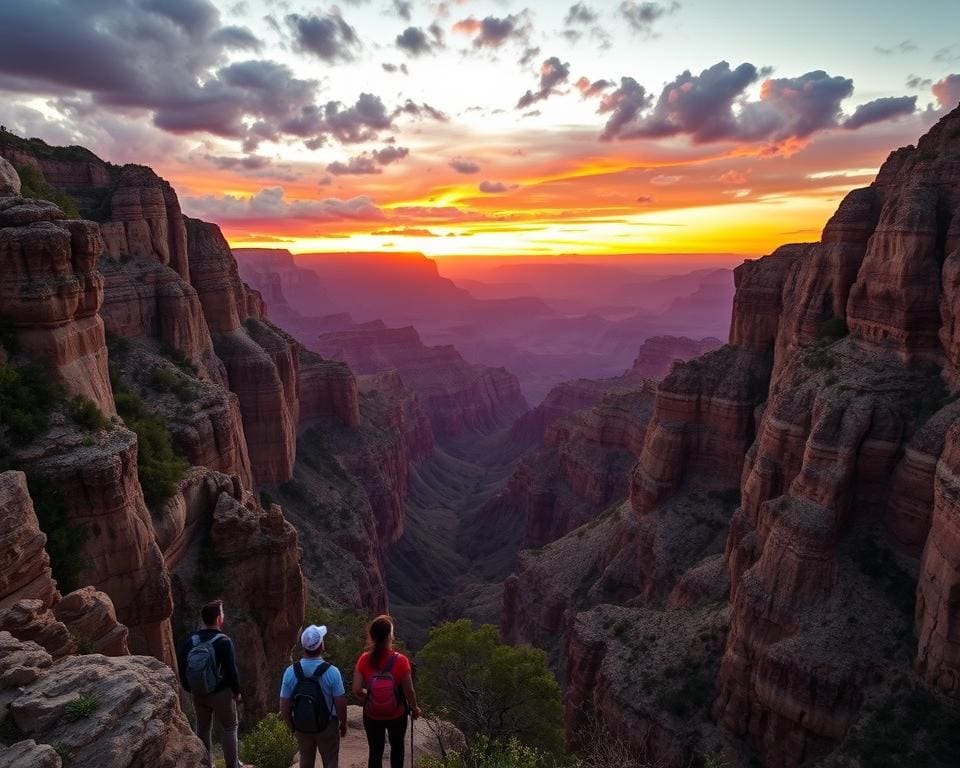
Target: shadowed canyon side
[(779, 583)]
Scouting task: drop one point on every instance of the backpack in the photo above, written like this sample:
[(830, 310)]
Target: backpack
[(203, 671), (311, 713), (384, 696)]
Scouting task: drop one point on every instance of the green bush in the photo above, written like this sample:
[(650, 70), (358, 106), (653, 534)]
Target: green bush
[(165, 380), (269, 745), (33, 184), (159, 467), (87, 415), (28, 394), (65, 542), (489, 689), (82, 706), (487, 753), (178, 358)]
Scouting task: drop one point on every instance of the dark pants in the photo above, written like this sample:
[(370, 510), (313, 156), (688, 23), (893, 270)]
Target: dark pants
[(377, 731)]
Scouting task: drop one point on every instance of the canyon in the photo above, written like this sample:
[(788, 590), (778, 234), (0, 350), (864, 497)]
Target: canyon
[(746, 550)]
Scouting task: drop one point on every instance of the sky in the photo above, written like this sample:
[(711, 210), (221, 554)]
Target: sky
[(486, 129)]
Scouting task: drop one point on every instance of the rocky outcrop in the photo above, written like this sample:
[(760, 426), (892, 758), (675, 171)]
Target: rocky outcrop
[(145, 220), (133, 719), (327, 388), (658, 355), (9, 179), (51, 290), (24, 564), (90, 617), (292, 290), (458, 397)]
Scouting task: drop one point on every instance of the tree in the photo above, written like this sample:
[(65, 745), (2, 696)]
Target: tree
[(489, 689)]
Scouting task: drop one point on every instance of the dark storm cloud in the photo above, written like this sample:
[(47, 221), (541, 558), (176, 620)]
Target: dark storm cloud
[(368, 162), (461, 165), (713, 106), (269, 204), (879, 110), (916, 82), (553, 72), (327, 37), (417, 42), (169, 57), (641, 17), (246, 163)]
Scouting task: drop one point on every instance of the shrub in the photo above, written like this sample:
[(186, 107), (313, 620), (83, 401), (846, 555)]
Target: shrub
[(487, 753), (65, 542), (87, 415), (160, 468), (165, 380), (33, 184), (270, 744), (82, 706), (489, 689), (27, 396), (178, 358)]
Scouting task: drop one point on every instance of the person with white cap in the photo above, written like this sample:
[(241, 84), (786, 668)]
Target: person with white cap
[(313, 702)]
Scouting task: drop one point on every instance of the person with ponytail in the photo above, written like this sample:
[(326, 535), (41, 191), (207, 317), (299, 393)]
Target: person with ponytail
[(383, 682)]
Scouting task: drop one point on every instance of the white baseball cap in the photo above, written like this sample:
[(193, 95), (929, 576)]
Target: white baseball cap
[(312, 637)]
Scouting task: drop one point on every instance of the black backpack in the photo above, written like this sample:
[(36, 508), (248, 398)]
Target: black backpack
[(311, 713)]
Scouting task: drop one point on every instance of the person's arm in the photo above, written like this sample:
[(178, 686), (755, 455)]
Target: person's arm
[(286, 712), (228, 661), (411, 694), (340, 702), (357, 688)]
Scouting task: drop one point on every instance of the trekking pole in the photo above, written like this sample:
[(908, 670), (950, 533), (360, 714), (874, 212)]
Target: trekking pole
[(412, 721)]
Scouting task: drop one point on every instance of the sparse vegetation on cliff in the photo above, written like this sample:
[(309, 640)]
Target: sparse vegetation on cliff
[(87, 415), (33, 184), (489, 689), (65, 542), (269, 745), (28, 395)]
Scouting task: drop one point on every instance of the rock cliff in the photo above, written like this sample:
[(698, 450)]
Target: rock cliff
[(457, 396)]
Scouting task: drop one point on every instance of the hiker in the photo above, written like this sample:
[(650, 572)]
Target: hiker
[(208, 672), (313, 702), (383, 682)]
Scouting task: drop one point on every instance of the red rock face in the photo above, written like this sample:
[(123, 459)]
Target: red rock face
[(457, 396), (327, 388), (24, 563), (50, 288), (145, 220)]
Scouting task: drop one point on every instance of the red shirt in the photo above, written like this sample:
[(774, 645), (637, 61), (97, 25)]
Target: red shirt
[(401, 671)]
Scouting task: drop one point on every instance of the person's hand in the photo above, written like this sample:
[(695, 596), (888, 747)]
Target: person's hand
[(343, 728), (237, 698), (415, 713)]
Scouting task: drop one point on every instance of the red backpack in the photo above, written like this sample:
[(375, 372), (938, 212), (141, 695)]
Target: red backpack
[(384, 696)]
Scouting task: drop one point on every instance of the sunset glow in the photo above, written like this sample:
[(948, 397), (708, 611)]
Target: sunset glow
[(472, 128)]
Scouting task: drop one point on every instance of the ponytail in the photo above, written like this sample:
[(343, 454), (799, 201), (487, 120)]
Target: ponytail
[(381, 635)]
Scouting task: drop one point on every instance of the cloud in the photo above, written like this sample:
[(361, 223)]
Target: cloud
[(590, 89), (879, 110), (461, 165), (403, 9), (368, 162), (905, 46), (733, 177), (713, 106), (245, 163), (947, 91), (405, 232), (420, 111), (492, 32), (641, 17), (416, 42), (269, 204), (387, 67), (580, 13), (358, 123), (552, 73), (237, 39), (917, 82), (947, 55), (495, 187), (327, 37), (645, 200), (663, 180)]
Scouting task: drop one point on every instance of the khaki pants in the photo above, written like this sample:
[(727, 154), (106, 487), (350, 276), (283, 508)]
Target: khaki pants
[(219, 705), (327, 743)]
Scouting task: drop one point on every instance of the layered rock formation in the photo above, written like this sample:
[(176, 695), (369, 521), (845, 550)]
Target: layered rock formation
[(457, 396), (832, 414), (128, 712)]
